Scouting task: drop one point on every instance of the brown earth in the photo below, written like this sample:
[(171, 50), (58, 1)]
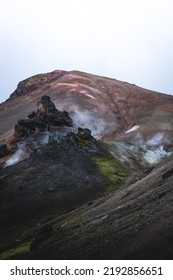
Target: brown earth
[(113, 105)]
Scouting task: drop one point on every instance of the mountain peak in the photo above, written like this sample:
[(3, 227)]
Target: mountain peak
[(78, 153)]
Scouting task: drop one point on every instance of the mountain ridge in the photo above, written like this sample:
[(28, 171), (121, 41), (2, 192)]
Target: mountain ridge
[(71, 141)]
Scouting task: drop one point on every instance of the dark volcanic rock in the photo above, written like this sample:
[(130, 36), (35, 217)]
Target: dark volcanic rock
[(44, 233), (28, 126), (48, 113), (83, 141), (168, 173), (56, 177), (3, 150), (46, 106), (46, 116)]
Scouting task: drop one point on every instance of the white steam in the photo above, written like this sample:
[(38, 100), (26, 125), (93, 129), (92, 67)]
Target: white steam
[(98, 119), (60, 133), (154, 156), (17, 156), (56, 134), (83, 118), (156, 140), (87, 119), (35, 141), (153, 148), (44, 138)]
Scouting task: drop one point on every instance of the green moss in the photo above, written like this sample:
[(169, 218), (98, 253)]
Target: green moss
[(113, 170), (75, 220), (23, 248)]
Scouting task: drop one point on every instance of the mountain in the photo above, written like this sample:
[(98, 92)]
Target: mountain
[(85, 169)]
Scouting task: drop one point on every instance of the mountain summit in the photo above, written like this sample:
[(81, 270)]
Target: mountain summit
[(88, 155)]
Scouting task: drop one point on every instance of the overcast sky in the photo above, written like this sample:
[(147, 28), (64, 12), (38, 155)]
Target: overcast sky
[(130, 40)]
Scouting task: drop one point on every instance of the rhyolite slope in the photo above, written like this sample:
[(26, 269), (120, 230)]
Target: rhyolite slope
[(85, 169)]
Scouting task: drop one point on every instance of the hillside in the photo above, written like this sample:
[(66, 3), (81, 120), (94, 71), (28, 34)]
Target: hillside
[(85, 169)]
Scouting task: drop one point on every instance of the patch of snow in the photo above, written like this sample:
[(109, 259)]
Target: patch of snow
[(135, 127), (89, 95)]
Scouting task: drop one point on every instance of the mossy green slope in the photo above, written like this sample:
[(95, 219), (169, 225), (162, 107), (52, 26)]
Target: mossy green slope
[(22, 248), (113, 170)]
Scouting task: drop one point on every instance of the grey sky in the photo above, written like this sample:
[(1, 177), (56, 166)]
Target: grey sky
[(130, 40)]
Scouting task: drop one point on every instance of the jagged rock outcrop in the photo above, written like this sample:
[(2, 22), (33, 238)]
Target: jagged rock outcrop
[(36, 82), (46, 116), (83, 140)]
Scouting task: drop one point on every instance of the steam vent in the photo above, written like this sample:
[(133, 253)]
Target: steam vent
[(86, 170)]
